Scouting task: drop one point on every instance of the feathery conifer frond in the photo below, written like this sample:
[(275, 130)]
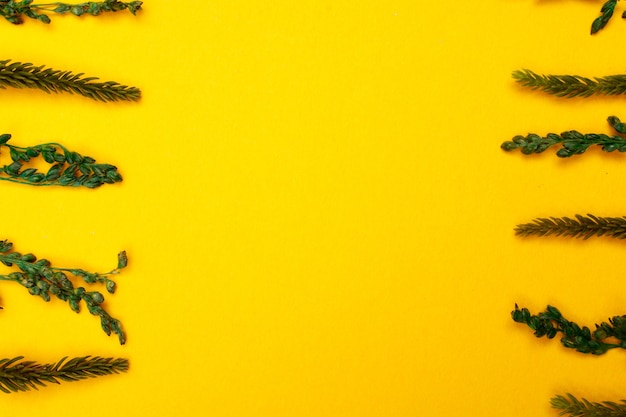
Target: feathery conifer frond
[(18, 375), (27, 75), (572, 406), (570, 86), (579, 227)]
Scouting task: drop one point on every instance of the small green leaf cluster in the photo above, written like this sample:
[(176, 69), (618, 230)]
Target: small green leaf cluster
[(43, 280), (67, 168), (15, 10), (551, 322), (605, 15), (18, 375)]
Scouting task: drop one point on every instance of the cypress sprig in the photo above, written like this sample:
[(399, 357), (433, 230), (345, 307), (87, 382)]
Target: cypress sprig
[(572, 406), (606, 336), (579, 227), (43, 280), (27, 75), (67, 168), (18, 375), (605, 15), (572, 142), (570, 86), (15, 10)]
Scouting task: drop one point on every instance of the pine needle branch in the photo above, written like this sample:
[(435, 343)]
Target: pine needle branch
[(27, 75), (570, 86), (17, 375), (572, 406), (579, 227), (572, 142), (15, 10)]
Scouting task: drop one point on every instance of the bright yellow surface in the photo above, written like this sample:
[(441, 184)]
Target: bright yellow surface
[(316, 209)]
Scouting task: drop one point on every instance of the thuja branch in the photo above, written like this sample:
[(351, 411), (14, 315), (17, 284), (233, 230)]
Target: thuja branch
[(570, 86), (18, 375), (550, 323), (27, 75), (579, 227), (44, 280), (67, 168), (15, 10), (572, 142), (572, 406)]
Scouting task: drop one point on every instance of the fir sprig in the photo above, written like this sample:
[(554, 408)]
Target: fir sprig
[(27, 75), (43, 280), (67, 168), (18, 375), (572, 142), (15, 10), (570, 86), (579, 227), (572, 406), (606, 336)]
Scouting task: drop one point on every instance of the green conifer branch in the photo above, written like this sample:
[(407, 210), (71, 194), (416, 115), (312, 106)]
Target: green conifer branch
[(605, 15), (570, 86), (17, 375), (15, 10), (26, 75), (572, 406), (579, 227), (44, 280)]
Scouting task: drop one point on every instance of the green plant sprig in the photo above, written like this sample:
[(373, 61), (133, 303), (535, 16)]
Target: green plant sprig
[(67, 168), (27, 75), (17, 375), (572, 406), (572, 142), (43, 280), (570, 86), (579, 227), (550, 322), (15, 10)]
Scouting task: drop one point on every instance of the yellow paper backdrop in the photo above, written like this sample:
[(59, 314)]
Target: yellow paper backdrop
[(316, 209)]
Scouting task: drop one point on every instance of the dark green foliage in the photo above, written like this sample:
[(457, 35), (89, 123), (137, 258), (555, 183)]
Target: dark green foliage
[(550, 322), (570, 86), (570, 405), (17, 375), (43, 280), (27, 75), (605, 15), (67, 168), (580, 227), (15, 10)]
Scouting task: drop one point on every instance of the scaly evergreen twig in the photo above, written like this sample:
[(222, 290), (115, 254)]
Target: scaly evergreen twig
[(572, 142), (26, 75), (605, 15), (572, 406), (43, 280), (550, 322), (581, 227), (67, 168), (15, 10), (570, 86), (17, 375)]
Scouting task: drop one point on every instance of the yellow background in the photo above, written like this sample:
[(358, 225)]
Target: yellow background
[(316, 209)]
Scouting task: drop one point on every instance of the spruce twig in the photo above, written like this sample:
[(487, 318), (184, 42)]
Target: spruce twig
[(43, 280), (572, 142), (27, 75), (572, 406), (15, 10), (570, 86), (17, 375), (67, 168), (579, 227)]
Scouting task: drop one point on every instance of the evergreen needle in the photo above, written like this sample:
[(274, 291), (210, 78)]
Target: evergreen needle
[(579, 227), (572, 406), (570, 86), (43, 280), (67, 168), (18, 375), (15, 10), (26, 75)]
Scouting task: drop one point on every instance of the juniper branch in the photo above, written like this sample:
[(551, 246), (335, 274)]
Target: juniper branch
[(17, 375), (570, 405), (15, 10), (570, 86), (27, 75), (579, 227)]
